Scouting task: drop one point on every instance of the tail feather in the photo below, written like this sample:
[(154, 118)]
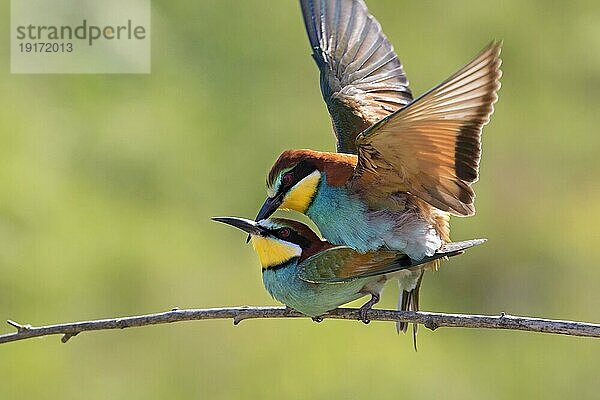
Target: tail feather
[(415, 307), (403, 301), (409, 301)]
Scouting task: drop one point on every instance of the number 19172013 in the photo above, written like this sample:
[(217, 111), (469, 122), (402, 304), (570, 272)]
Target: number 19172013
[(46, 47)]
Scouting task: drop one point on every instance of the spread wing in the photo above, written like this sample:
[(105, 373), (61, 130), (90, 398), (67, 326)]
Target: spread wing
[(343, 264), (362, 80), (432, 147)]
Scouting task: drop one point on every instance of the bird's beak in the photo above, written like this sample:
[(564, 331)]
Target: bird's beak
[(244, 224), (270, 205)]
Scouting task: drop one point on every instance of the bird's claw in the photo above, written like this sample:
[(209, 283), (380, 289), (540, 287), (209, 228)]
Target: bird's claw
[(317, 319), (362, 312)]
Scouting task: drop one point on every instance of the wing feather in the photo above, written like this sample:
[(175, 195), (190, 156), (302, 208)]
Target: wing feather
[(362, 80), (432, 147), (343, 264)]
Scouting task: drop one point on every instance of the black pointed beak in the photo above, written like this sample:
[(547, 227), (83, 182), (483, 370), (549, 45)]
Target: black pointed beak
[(270, 205), (244, 224)]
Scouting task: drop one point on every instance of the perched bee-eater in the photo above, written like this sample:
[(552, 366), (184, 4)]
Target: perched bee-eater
[(409, 164), (314, 276)]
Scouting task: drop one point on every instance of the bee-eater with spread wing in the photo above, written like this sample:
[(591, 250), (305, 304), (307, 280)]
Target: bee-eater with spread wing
[(313, 276), (409, 164)]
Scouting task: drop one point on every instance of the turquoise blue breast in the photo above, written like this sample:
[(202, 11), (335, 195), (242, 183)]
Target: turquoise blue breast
[(344, 219), (311, 299)]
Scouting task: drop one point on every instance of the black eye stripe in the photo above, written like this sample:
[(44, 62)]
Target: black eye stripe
[(293, 237), (299, 172)]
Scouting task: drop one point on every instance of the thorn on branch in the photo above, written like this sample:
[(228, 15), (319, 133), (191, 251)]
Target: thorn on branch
[(429, 324), (239, 318), (19, 327), (68, 336)]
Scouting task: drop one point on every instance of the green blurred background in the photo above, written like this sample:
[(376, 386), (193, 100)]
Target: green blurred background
[(108, 182)]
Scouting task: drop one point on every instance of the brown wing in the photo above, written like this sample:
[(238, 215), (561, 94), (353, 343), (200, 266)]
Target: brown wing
[(362, 80), (432, 147)]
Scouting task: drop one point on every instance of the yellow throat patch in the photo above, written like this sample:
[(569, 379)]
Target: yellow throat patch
[(272, 252), (300, 196)]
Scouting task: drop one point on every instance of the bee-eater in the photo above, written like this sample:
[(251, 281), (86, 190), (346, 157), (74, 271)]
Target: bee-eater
[(314, 276), (409, 164)]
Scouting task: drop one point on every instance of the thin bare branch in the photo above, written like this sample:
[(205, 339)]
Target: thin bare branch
[(238, 314)]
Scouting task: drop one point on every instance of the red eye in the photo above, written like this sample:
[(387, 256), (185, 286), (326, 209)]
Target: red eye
[(287, 179), (284, 232)]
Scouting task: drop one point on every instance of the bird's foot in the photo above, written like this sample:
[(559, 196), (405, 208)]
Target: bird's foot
[(366, 307), (317, 319)]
